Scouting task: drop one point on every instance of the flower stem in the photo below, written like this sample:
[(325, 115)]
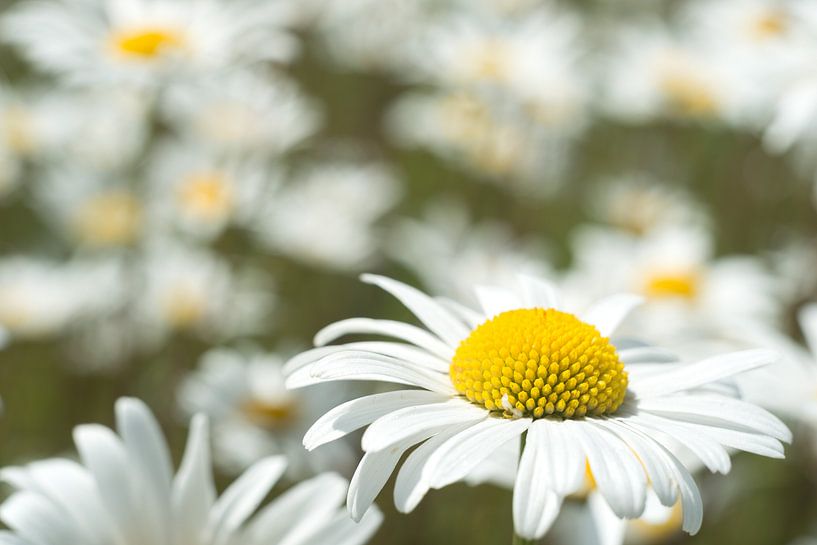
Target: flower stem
[(518, 540)]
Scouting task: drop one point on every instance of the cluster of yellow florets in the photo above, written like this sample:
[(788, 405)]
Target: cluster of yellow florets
[(539, 362)]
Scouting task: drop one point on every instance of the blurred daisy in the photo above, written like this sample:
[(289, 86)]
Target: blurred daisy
[(37, 298), (447, 251), (254, 415), (325, 214), (639, 205), (190, 290), (650, 74), (146, 41), (380, 43), (691, 297), (123, 490), (523, 367), (202, 194), (243, 112), (89, 207)]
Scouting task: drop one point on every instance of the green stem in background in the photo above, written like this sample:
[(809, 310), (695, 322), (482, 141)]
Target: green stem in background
[(517, 540)]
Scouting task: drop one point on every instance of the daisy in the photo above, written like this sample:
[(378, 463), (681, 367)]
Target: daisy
[(92, 209), (325, 214), (146, 41), (691, 296), (242, 392), (185, 289), (447, 250), (246, 111), (203, 194), (123, 490), (524, 368)]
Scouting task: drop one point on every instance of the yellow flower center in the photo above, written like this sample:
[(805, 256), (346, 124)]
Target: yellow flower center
[(536, 362), (770, 24), (206, 195), (489, 61), (270, 415), (683, 284), (689, 95), (19, 133), (184, 308), (146, 43), (110, 218)]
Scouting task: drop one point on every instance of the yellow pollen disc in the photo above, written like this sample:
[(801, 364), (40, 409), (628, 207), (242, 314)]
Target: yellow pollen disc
[(682, 284), (689, 95), (270, 415), (206, 195), (184, 308), (770, 24), (110, 218), (146, 43), (537, 362)]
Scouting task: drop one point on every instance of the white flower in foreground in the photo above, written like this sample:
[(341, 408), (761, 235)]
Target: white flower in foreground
[(145, 41), (124, 491), (524, 368), (254, 415)]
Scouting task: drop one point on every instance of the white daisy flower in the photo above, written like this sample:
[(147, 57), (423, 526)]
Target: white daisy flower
[(190, 290), (254, 415), (639, 204), (691, 297), (203, 194), (146, 41), (242, 112), (523, 367), (325, 214), (651, 74), (123, 490), (91, 208), (37, 297), (448, 251)]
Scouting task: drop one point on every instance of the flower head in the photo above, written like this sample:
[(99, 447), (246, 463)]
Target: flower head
[(525, 367)]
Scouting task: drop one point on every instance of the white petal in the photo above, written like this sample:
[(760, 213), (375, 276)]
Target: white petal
[(434, 316), (563, 460), (609, 527), (295, 514), (242, 498), (647, 354), (658, 473), (609, 312), (495, 300), (538, 292), (344, 531), (687, 377), (360, 412), (618, 473), (374, 470), (535, 505), (690, 496), (193, 490), (151, 465), (367, 366), (807, 316), (710, 452), (458, 456), (402, 351), (471, 317), (103, 453), (388, 328), (398, 425), (37, 520), (411, 484), (718, 411)]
